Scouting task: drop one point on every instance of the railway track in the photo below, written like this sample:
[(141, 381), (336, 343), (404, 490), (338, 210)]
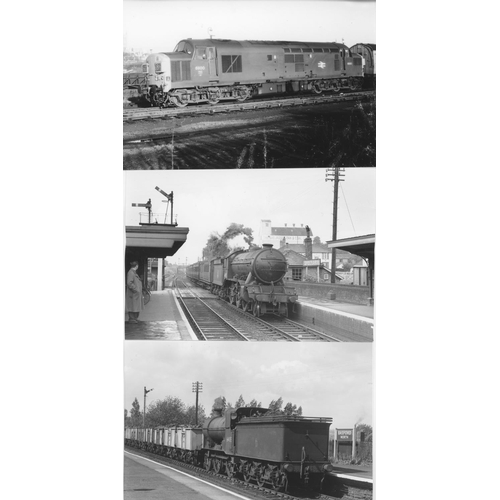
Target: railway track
[(213, 319), (134, 114), (235, 484)]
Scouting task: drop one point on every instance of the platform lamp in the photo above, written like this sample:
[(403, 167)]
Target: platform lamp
[(144, 412), (197, 387)]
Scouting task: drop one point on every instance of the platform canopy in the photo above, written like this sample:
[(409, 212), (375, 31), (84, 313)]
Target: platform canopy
[(154, 241), (364, 246)]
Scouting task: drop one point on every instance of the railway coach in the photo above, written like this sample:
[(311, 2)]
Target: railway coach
[(210, 70), (251, 280)]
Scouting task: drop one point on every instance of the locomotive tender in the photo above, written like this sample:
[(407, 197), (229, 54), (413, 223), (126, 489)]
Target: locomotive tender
[(210, 70), (272, 450), (251, 280)]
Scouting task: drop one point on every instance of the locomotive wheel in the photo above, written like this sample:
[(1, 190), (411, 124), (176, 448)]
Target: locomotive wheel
[(336, 87), (214, 95), (244, 305), (245, 470), (353, 85), (177, 100), (260, 476), (217, 465), (243, 94), (207, 463), (316, 89), (230, 469), (279, 481), (256, 309)]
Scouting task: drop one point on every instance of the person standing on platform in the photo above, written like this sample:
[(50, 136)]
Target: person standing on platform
[(134, 301)]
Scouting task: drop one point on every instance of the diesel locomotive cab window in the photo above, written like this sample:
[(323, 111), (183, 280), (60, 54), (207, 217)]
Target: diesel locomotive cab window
[(231, 64), (201, 53), (157, 67)]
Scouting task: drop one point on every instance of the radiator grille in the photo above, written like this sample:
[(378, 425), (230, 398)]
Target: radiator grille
[(181, 70)]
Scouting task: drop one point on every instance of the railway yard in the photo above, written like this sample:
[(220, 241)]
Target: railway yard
[(301, 131)]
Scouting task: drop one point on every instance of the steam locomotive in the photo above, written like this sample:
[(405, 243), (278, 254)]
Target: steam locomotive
[(272, 450), (210, 70), (251, 280)]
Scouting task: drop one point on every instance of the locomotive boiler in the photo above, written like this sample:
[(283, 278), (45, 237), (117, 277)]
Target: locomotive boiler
[(210, 70), (251, 280)]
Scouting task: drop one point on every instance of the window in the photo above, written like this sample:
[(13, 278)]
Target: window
[(201, 52), (269, 58), (317, 50), (184, 47), (231, 64), (297, 274), (157, 67)]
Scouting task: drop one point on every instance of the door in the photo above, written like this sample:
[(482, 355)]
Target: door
[(212, 66)]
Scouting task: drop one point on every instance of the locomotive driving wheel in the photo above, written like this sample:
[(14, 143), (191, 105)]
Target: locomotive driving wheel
[(256, 309), (217, 463), (207, 463), (279, 480), (230, 469), (260, 476), (335, 86)]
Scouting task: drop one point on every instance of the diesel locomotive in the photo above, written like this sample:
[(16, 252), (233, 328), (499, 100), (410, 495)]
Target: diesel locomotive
[(211, 70), (368, 51), (251, 280), (248, 443)]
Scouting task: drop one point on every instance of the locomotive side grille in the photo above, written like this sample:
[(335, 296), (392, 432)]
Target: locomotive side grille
[(289, 58), (186, 70), (176, 71), (231, 64), (181, 70), (299, 67), (336, 65)]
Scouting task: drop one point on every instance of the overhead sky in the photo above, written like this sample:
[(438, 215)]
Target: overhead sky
[(208, 201), (327, 380), (159, 25)]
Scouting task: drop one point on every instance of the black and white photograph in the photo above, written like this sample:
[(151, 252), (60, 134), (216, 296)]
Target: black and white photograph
[(214, 421), (248, 255), (248, 84)]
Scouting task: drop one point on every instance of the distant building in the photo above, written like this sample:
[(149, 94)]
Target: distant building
[(290, 233)]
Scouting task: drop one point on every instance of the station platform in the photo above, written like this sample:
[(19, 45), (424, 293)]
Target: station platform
[(144, 478), (353, 472), (348, 322), (161, 319)]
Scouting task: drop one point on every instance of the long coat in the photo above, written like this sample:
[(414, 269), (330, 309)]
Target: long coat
[(133, 300)]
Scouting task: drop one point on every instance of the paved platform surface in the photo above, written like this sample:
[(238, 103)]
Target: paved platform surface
[(355, 471), (146, 479), (340, 307), (161, 319)]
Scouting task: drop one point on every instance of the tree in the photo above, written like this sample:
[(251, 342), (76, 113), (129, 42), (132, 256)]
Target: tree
[(254, 403), (240, 403), (136, 414), (170, 411), (275, 406), (317, 240), (191, 415)]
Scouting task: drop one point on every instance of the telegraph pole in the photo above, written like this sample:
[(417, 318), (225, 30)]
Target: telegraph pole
[(335, 175), (197, 387), (144, 412)]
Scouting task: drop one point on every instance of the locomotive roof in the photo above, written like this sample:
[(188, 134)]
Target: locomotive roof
[(371, 46), (286, 418), (220, 42)]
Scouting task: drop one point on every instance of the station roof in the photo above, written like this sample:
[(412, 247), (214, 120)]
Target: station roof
[(155, 240), (363, 246)]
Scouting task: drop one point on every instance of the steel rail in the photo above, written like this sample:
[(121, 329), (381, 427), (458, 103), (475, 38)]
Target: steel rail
[(133, 114)]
